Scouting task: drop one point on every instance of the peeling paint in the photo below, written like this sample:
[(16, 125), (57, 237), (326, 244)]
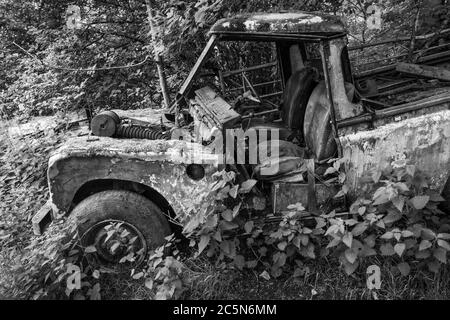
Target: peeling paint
[(424, 141), (292, 22)]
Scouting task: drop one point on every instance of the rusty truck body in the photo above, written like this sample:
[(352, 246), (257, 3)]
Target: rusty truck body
[(321, 113)]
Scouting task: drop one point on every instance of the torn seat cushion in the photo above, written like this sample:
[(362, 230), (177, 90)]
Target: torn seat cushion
[(271, 165)]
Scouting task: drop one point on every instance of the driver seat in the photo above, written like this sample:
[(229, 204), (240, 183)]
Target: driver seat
[(295, 99)]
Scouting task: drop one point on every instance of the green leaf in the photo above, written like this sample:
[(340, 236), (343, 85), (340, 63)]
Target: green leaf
[(347, 239), (360, 228), (419, 202), (424, 254), (427, 234), (392, 217), (404, 268), (407, 234), (265, 275), (204, 240), (399, 202), (399, 248), (239, 262), (440, 254), (387, 249), (443, 244), (233, 192), (348, 267), (282, 245), (445, 236), (247, 186), (350, 255), (90, 249), (424, 244), (434, 266), (388, 235), (248, 227), (227, 215)]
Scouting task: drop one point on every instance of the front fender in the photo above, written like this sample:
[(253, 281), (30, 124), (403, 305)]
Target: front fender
[(158, 164)]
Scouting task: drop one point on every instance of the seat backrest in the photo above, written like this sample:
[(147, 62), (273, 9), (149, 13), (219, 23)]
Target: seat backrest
[(296, 95)]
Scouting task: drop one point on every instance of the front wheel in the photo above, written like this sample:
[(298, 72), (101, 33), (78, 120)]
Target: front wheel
[(119, 228)]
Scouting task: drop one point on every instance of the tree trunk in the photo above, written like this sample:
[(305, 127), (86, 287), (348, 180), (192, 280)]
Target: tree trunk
[(158, 59)]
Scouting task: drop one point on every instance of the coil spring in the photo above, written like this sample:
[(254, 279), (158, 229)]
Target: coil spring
[(140, 133)]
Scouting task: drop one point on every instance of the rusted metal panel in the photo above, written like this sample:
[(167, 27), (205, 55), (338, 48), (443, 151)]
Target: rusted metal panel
[(292, 22), (423, 141), (160, 165)]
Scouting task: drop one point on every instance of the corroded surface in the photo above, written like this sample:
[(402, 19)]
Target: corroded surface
[(160, 165), (423, 141), (293, 22)]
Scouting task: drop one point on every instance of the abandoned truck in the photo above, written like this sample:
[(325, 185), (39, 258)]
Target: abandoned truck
[(288, 74)]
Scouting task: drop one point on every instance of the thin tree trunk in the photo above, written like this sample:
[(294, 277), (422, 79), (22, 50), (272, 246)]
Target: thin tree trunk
[(415, 28), (158, 59)]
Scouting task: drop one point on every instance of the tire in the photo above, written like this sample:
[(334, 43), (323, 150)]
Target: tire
[(138, 214)]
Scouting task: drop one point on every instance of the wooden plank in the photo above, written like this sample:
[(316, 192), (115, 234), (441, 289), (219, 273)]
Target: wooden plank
[(424, 71), (431, 59), (41, 219)]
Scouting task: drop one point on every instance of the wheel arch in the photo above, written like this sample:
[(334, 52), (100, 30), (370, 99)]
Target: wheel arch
[(98, 185)]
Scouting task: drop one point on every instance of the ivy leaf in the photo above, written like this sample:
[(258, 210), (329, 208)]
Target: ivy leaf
[(348, 267), (443, 244), (434, 266), (392, 217), (428, 234), (350, 255), (252, 264), (399, 248), (424, 254), (360, 228), (265, 275), (419, 202), (445, 236), (137, 276), (236, 210), (90, 249), (347, 239), (282, 245), (248, 227), (387, 249), (149, 283), (440, 254), (407, 234), (387, 236), (424, 244), (227, 215), (239, 262), (362, 210), (399, 202), (404, 268), (204, 240), (233, 192), (247, 186)]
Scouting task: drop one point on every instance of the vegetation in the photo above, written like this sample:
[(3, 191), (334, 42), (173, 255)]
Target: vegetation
[(47, 69)]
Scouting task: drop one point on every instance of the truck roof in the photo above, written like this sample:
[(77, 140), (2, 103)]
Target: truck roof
[(290, 24)]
